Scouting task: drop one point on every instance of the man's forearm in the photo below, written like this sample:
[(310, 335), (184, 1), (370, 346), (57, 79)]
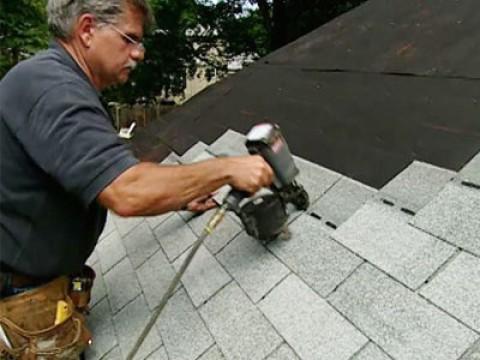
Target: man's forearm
[(150, 189)]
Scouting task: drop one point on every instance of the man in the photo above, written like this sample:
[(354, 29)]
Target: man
[(62, 164)]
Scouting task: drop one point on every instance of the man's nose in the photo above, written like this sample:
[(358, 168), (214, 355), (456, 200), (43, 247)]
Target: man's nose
[(138, 54)]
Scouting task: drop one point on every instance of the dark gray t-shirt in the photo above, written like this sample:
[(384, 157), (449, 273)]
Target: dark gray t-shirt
[(58, 152)]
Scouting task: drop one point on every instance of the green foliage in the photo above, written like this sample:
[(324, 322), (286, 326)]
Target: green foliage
[(23, 31), (189, 34)]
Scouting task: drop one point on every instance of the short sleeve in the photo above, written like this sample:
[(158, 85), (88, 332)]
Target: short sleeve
[(69, 136)]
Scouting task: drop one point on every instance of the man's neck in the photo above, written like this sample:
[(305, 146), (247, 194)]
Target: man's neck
[(77, 55)]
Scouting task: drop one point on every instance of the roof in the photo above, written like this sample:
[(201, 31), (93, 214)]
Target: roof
[(366, 94), (369, 274)]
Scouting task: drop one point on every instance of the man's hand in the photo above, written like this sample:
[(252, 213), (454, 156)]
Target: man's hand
[(250, 173), (201, 204)]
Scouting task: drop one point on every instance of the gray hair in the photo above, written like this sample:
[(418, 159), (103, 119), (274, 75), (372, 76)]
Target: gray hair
[(62, 14)]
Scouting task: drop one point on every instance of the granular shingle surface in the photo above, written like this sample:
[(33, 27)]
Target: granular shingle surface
[(453, 216), (385, 285)]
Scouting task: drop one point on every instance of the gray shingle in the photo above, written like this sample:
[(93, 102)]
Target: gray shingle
[(231, 143), (183, 331), (129, 323), (203, 277), (255, 269), (342, 200), (122, 284), (159, 354), (99, 290), (314, 256), (402, 323), (140, 244), (457, 289), (314, 178), (224, 232), (155, 276), (114, 354), (192, 153), (284, 352), (126, 224), (110, 251), (174, 236), (212, 354), (170, 159), (238, 326), (154, 221), (93, 258), (473, 353), (453, 216), (109, 226), (100, 324), (382, 235), (416, 185), (309, 324), (371, 352), (471, 171)]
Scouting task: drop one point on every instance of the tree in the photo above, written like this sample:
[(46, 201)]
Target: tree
[(286, 20), (23, 31)]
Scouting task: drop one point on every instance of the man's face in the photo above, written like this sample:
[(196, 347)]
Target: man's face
[(116, 49)]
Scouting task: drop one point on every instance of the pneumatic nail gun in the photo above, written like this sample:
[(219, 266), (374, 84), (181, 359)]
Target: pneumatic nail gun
[(264, 215)]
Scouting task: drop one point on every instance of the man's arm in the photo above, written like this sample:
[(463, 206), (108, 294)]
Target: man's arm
[(151, 189)]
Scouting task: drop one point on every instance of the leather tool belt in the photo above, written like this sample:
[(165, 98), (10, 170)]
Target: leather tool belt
[(44, 322)]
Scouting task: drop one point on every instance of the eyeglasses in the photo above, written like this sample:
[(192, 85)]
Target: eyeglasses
[(129, 40)]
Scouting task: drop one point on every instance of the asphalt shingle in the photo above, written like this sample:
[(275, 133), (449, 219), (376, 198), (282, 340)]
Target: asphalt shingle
[(255, 269), (231, 143), (155, 276), (99, 321), (371, 352), (99, 290), (122, 285), (212, 354), (456, 289), (342, 200), (381, 235), (154, 221), (405, 325), (183, 331), (284, 352), (129, 323), (453, 216), (473, 353), (191, 154), (319, 260), (203, 277), (140, 244), (174, 236), (109, 226), (471, 172), (315, 179), (223, 233), (308, 324), (126, 224), (159, 354), (416, 185), (110, 251), (238, 326)]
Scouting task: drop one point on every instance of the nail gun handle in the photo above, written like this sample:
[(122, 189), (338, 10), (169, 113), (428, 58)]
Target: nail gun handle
[(233, 199)]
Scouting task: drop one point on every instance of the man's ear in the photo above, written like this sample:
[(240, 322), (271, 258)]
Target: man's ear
[(84, 29)]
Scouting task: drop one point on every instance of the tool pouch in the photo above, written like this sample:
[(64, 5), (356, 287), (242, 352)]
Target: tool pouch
[(30, 327)]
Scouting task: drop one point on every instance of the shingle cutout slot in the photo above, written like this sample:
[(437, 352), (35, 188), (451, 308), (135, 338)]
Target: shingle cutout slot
[(315, 215), (470, 184), (332, 225), (408, 211), (388, 202)]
